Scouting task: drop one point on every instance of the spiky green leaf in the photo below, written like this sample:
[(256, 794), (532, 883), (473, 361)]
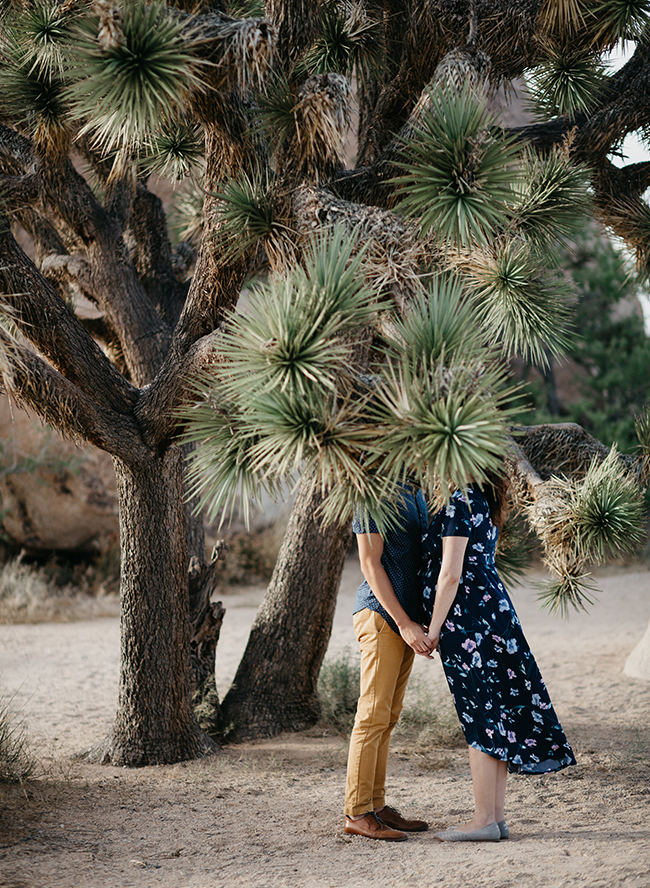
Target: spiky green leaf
[(39, 37), (570, 591), (293, 335), (608, 511), (438, 324), (621, 20), (458, 172), (446, 423), (274, 117), (567, 82), (518, 302), (175, 150), (246, 213), (349, 41), (553, 198), (122, 92), (514, 551), (221, 473)]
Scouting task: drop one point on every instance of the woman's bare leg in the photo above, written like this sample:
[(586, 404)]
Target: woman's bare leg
[(488, 781), (500, 795)]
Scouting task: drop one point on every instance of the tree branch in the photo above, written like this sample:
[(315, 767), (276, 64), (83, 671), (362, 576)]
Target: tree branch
[(153, 259), (68, 268), (296, 22), (17, 192), (60, 403), (15, 147), (156, 409), (143, 335), (43, 317), (392, 250)]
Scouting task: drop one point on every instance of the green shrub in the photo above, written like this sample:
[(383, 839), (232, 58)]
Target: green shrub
[(429, 718), (338, 689)]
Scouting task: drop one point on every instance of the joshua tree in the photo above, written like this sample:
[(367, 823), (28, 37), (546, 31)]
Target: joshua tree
[(254, 111)]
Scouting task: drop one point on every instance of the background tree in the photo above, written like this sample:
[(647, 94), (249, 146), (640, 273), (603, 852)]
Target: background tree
[(608, 350), (96, 96)]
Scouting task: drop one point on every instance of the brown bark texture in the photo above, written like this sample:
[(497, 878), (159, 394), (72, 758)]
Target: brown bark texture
[(275, 688), (155, 723)]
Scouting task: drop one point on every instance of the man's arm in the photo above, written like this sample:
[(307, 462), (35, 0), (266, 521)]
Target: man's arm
[(371, 547)]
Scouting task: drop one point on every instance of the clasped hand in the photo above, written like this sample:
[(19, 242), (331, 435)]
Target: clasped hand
[(416, 637)]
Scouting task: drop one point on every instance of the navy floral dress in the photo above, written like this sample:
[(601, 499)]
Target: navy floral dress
[(499, 694)]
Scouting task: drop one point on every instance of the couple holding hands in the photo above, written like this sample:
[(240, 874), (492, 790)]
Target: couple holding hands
[(435, 587)]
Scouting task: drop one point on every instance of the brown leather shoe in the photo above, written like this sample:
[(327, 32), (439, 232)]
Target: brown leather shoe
[(391, 817), (371, 827)]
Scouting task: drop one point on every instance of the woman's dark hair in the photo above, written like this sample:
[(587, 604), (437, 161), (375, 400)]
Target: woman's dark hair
[(495, 487)]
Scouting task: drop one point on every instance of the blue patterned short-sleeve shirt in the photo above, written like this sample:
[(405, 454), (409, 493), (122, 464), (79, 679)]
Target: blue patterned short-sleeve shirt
[(401, 558)]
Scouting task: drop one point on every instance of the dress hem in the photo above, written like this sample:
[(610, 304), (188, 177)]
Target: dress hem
[(548, 766)]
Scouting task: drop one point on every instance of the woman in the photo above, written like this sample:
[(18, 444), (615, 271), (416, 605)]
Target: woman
[(502, 702)]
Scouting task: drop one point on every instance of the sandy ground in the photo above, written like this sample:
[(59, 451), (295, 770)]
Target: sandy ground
[(268, 814)]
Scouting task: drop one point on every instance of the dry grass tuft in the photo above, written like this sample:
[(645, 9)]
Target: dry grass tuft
[(16, 763), (59, 592)]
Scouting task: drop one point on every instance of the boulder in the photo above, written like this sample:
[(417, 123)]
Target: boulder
[(53, 494), (637, 664)]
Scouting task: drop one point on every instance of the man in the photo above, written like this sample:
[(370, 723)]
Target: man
[(387, 623)]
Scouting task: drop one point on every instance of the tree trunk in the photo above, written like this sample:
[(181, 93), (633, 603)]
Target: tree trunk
[(155, 722), (275, 688)]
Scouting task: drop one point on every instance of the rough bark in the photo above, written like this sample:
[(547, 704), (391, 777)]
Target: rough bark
[(206, 618), (275, 688), (155, 722)]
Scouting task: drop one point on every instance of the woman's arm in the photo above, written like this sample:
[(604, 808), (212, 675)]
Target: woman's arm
[(371, 547), (451, 570)]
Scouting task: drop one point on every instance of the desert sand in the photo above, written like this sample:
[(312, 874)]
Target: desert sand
[(268, 814)]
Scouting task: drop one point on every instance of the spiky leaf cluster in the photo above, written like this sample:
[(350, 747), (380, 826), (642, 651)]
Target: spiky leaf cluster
[(585, 522), (247, 214), (514, 550), (43, 32), (620, 20), (442, 426), (274, 116), (519, 302), (552, 199), (607, 511), (175, 150), (124, 89), (349, 41), (33, 49), (457, 171), (567, 82), (303, 404), (293, 335), (569, 592)]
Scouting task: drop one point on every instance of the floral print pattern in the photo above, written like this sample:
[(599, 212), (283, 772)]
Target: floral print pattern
[(499, 694)]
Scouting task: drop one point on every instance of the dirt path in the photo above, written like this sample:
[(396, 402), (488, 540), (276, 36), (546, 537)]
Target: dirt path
[(268, 814)]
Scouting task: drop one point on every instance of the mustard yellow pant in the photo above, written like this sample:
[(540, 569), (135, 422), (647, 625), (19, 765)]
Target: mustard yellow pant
[(386, 662)]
